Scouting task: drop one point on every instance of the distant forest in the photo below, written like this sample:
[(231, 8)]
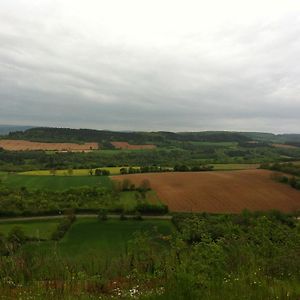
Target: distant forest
[(48, 134)]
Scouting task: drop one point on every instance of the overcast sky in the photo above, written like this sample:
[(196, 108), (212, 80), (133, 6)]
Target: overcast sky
[(151, 65)]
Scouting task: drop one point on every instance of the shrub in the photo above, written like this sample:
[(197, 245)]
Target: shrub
[(102, 216), (63, 227)]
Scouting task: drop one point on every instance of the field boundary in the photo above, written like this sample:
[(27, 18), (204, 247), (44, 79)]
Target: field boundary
[(81, 216)]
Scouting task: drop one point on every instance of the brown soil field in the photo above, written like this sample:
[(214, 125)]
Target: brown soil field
[(220, 192), (284, 146), (125, 145), (19, 145)]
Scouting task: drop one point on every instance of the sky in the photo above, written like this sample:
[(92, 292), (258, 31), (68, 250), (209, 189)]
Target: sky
[(151, 65)]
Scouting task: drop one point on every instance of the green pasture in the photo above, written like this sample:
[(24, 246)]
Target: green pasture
[(36, 229), (54, 182), (89, 238)]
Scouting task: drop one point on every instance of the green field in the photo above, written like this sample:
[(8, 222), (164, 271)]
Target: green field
[(54, 182), (90, 237), (37, 228)]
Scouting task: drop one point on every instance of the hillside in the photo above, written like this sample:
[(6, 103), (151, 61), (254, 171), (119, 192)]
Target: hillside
[(47, 134)]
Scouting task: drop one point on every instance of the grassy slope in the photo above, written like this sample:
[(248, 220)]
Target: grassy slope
[(38, 229), (55, 182), (89, 237)]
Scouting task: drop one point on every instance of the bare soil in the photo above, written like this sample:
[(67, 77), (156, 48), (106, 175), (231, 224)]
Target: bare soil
[(19, 145), (125, 145), (220, 192)]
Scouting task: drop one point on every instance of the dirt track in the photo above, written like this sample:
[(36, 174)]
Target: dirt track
[(19, 145), (229, 191)]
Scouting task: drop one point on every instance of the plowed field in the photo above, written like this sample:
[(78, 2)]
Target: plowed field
[(125, 145), (229, 191), (18, 145)]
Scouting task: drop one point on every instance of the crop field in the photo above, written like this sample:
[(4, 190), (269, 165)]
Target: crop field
[(22, 145), (54, 182), (220, 192), (89, 237), (36, 229), (125, 145), (223, 167), (73, 172), (284, 146)]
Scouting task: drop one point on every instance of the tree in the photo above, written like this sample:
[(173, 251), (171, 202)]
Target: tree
[(123, 171), (16, 237), (145, 185), (126, 185), (102, 216), (53, 172)]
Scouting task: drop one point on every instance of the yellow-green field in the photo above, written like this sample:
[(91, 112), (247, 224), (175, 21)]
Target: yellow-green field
[(116, 170), (73, 172), (225, 167)]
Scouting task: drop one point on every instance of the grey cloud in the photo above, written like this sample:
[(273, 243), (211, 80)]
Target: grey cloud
[(243, 78)]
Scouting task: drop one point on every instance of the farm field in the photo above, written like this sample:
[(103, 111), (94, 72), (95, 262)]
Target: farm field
[(53, 182), (36, 229), (89, 238), (220, 192), (74, 172), (223, 167), (284, 146), (125, 145), (116, 170), (22, 145)]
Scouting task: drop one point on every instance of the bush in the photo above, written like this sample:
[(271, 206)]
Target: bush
[(138, 216), (102, 216), (63, 227), (152, 209), (123, 216)]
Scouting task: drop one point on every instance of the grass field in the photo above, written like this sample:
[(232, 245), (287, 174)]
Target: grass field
[(54, 182), (89, 237), (37, 229)]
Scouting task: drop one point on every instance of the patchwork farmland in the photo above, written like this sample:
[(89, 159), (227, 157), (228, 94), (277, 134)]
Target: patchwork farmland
[(220, 192)]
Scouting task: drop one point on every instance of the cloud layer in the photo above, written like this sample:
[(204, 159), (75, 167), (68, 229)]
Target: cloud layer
[(151, 65)]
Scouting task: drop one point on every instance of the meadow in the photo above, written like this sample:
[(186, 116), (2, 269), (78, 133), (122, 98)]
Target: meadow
[(89, 237), (39, 229)]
